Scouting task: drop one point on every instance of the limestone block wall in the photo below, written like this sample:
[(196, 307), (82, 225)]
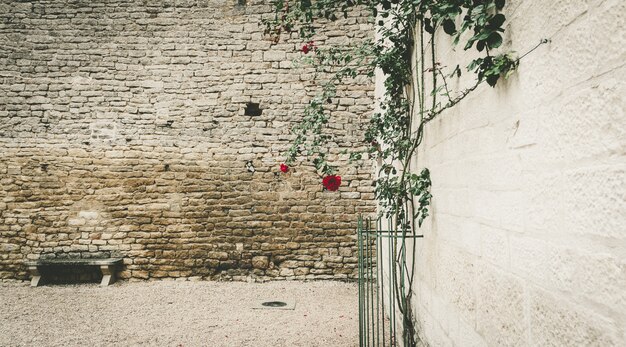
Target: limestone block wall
[(124, 132), (526, 245)]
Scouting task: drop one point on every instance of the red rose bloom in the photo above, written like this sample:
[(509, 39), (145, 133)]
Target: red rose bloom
[(332, 182), (308, 47), (284, 168)]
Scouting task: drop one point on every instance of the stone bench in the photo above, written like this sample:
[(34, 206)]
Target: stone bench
[(107, 266)]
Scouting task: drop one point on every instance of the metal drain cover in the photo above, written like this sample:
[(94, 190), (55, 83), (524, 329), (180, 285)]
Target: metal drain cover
[(275, 305)]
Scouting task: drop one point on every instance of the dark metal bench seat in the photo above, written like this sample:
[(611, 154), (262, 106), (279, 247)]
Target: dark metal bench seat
[(107, 266)]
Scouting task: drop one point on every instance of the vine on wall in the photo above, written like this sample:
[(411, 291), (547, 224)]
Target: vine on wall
[(417, 88)]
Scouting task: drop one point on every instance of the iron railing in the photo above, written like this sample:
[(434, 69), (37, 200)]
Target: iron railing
[(384, 285)]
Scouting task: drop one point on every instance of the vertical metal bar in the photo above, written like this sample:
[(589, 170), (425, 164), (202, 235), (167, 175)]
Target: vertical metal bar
[(365, 332), (360, 279), (402, 289), (369, 288), (381, 278), (392, 277), (367, 292), (389, 283), (377, 235), (365, 288), (369, 284)]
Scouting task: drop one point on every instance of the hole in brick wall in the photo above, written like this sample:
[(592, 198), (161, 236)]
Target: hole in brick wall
[(253, 109), (241, 2), (250, 166), (166, 167)]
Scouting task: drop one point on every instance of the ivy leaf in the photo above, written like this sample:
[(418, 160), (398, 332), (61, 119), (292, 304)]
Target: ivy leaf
[(428, 26), (492, 80), (483, 35), (480, 46), (449, 27), (497, 21), (500, 4), (494, 40)]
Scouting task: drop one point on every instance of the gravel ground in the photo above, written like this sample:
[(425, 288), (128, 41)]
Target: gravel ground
[(179, 313)]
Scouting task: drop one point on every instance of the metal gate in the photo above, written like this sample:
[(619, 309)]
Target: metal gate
[(385, 285)]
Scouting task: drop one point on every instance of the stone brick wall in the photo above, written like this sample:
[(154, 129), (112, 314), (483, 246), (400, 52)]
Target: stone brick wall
[(526, 245), (123, 132)]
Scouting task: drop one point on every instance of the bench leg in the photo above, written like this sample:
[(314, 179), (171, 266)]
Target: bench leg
[(108, 275), (36, 276)]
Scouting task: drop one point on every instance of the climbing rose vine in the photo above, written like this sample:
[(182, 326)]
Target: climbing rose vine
[(417, 87), (417, 90)]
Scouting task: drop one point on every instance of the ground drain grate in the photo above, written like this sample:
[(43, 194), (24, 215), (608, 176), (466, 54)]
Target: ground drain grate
[(274, 304)]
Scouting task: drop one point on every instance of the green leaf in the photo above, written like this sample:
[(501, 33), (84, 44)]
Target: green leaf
[(497, 21), (492, 80), (428, 26), (494, 40), (500, 4), (449, 27), (483, 35), (480, 45)]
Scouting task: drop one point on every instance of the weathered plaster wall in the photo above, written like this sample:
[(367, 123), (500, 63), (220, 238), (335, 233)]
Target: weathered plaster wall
[(527, 242), (122, 132)]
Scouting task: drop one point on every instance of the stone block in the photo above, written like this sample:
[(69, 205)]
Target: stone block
[(88, 215), (292, 264), (217, 255), (287, 272), (332, 259), (500, 313), (560, 322), (260, 262), (301, 271), (274, 55), (293, 245)]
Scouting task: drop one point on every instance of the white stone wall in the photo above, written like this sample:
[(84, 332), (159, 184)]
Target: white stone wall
[(527, 242)]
